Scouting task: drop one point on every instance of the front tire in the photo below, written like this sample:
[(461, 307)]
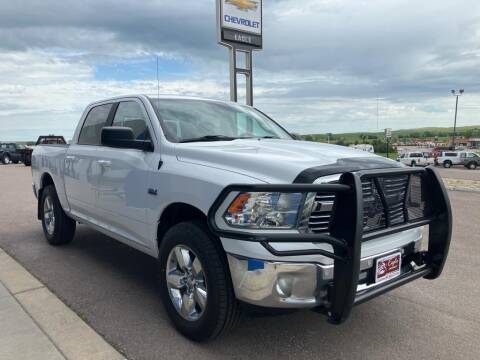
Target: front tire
[(195, 283), (6, 159), (472, 165), (58, 228), (447, 164)]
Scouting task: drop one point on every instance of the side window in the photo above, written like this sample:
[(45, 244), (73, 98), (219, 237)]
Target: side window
[(130, 114), (95, 121)]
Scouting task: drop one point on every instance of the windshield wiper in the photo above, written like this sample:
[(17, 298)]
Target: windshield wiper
[(209, 138)]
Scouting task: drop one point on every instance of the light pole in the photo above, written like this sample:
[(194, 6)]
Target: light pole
[(456, 94)]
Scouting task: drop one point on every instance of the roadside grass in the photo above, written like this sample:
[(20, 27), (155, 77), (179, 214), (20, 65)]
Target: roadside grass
[(391, 155)]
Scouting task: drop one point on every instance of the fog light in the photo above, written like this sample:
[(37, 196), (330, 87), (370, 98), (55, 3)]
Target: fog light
[(284, 286)]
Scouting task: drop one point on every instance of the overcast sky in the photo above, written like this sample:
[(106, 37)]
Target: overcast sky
[(324, 63)]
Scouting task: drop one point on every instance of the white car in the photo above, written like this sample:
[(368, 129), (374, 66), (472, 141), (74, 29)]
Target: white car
[(235, 210), (364, 147), (416, 159), (450, 158)]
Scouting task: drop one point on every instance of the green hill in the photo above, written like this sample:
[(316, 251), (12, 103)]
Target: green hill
[(367, 137)]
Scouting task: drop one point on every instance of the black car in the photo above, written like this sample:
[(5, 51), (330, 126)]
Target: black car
[(11, 153)]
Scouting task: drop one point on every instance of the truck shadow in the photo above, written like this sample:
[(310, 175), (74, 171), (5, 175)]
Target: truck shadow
[(120, 300)]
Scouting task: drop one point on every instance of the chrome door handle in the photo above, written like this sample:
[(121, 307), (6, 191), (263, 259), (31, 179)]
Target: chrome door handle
[(104, 163), (70, 157)]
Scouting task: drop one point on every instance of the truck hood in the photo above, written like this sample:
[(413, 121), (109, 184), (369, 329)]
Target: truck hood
[(274, 160)]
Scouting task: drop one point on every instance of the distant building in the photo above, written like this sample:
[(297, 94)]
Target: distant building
[(474, 142)]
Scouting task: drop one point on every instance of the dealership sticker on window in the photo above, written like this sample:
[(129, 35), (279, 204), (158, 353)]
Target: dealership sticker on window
[(388, 267)]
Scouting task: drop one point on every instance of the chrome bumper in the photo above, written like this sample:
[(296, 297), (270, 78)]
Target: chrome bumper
[(294, 285)]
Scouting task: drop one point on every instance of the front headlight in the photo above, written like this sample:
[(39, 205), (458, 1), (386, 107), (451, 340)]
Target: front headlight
[(264, 210)]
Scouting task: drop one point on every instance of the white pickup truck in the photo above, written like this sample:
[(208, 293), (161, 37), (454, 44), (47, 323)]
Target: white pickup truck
[(237, 211), (416, 158)]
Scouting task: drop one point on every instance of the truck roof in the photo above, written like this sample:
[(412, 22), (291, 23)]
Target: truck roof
[(153, 97)]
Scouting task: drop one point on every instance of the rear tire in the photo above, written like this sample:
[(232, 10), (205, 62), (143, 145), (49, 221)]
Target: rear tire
[(15, 161), (472, 165), (219, 311), (58, 228), (447, 164)]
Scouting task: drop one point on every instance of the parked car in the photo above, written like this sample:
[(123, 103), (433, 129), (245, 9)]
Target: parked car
[(470, 160), (364, 147), (416, 159), (43, 139), (11, 153), (235, 210)]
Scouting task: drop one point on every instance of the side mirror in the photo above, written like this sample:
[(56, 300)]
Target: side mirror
[(122, 137), (296, 136)]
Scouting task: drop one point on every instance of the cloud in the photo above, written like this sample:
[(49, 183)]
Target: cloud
[(323, 65)]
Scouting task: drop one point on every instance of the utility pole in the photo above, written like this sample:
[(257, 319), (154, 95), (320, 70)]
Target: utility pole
[(457, 95)]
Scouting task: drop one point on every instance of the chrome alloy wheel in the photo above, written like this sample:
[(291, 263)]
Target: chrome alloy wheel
[(49, 215), (186, 283)]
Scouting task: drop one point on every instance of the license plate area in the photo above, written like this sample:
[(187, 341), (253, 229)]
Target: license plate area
[(388, 267)]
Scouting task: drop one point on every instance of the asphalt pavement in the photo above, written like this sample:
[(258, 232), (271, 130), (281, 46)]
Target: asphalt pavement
[(113, 288), (460, 172)]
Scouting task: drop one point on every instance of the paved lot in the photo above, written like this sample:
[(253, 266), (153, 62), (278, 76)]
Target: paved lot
[(113, 288), (460, 172)]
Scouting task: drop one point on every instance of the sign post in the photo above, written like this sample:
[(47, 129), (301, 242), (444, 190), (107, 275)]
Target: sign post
[(239, 27), (388, 136)]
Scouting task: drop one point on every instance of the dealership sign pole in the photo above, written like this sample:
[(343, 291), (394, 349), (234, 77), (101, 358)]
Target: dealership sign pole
[(388, 136), (239, 27)]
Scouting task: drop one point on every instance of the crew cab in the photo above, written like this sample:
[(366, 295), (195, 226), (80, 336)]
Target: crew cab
[(237, 211), (416, 158)]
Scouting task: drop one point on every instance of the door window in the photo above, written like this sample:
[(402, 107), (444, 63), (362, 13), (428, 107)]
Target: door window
[(92, 127), (130, 114)]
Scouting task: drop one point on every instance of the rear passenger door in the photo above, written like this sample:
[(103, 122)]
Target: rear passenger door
[(123, 181), (80, 169)]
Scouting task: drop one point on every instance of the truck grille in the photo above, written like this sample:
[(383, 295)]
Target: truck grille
[(319, 221), (387, 191), (384, 192)]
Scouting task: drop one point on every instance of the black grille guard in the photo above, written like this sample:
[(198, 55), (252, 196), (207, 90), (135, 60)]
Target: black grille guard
[(346, 233)]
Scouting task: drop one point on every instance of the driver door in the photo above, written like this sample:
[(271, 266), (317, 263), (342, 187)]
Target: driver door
[(122, 185)]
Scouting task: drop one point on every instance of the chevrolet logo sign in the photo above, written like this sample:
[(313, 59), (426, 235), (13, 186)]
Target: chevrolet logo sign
[(245, 5)]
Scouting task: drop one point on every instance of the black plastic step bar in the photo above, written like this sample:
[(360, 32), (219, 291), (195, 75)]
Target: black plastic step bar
[(346, 232)]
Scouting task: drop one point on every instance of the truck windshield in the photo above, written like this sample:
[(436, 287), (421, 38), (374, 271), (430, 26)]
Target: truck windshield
[(186, 120)]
